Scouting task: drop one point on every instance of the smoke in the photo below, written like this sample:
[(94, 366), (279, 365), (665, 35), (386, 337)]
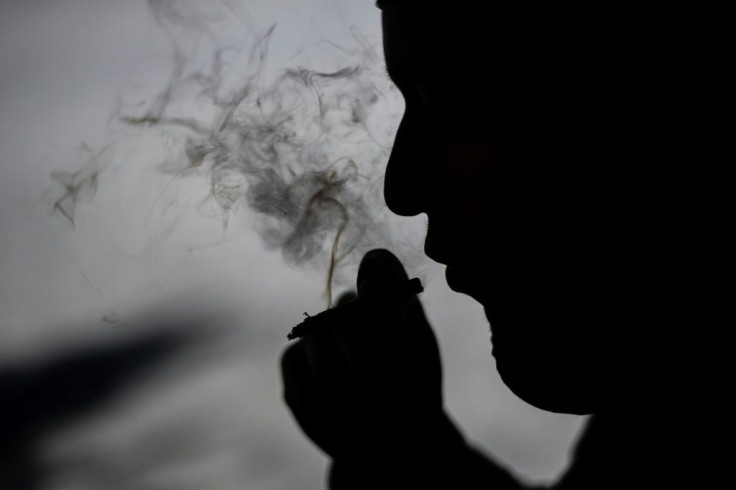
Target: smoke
[(302, 149), (79, 186)]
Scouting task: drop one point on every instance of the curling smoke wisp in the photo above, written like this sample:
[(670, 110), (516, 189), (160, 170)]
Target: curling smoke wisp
[(303, 149)]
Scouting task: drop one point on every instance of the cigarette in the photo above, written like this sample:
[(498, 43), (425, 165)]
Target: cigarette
[(346, 311)]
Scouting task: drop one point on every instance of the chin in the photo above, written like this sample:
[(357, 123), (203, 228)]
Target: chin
[(545, 386)]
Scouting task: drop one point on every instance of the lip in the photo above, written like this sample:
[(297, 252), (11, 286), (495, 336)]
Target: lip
[(463, 280), (454, 279)]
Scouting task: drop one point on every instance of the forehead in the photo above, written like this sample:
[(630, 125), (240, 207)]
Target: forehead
[(408, 33), (410, 30), (444, 38)]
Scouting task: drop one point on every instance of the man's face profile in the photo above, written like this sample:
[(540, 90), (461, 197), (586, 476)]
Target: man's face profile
[(499, 147)]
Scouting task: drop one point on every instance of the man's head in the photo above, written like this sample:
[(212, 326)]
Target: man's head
[(514, 141)]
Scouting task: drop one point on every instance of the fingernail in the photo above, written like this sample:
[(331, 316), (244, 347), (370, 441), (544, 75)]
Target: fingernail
[(379, 269)]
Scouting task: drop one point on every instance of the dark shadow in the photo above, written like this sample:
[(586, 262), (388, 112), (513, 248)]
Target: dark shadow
[(40, 397)]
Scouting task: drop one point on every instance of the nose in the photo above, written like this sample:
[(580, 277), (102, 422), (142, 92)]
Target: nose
[(408, 181)]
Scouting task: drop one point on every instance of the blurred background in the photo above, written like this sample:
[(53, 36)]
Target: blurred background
[(146, 295)]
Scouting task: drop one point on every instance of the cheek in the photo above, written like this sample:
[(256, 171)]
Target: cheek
[(471, 172)]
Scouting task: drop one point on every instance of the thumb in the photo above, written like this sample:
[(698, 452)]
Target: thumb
[(407, 343), (380, 274)]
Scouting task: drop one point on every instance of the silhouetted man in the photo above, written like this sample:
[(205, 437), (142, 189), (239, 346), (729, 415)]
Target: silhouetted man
[(528, 140)]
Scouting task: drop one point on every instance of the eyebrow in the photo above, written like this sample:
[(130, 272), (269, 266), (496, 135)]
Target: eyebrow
[(416, 64), (402, 72), (394, 73)]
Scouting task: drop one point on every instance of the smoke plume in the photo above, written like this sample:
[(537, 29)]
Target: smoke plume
[(303, 148)]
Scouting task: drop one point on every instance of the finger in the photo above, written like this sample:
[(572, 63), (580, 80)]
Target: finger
[(379, 277), (347, 334), (339, 377), (381, 271), (409, 346), (346, 297), (379, 274), (312, 410)]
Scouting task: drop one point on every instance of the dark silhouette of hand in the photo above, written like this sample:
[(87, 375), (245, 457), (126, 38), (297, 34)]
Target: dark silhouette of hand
[(373, 388), (369, 394)]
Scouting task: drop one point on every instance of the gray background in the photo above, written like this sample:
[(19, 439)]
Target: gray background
[(212, 417)]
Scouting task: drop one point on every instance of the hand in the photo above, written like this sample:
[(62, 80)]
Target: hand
[(372, 388)]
